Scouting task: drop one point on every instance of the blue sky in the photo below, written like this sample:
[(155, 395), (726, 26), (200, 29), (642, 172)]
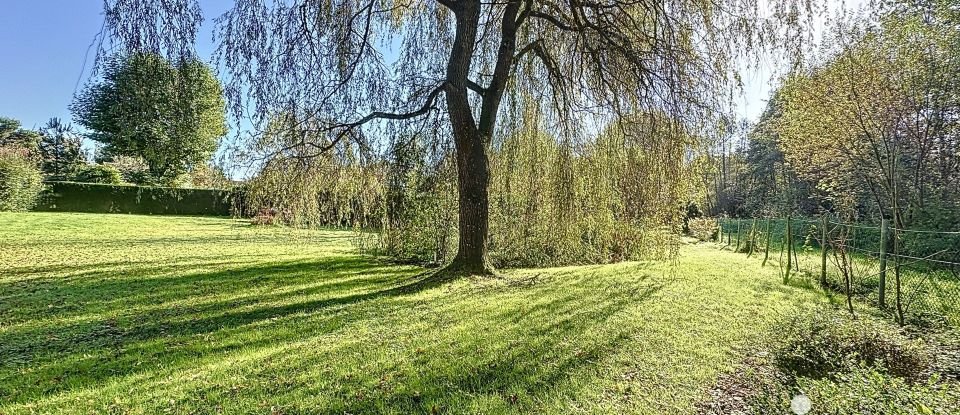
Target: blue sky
[(44, 44)]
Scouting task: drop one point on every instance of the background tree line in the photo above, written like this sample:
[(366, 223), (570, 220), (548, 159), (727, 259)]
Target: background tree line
[(869, 130)]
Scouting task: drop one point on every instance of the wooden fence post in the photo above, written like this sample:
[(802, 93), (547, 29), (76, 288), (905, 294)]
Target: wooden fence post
[(884, 236), (766, 247), (753, 237), (729, 235), (737, 249), (896, 273), (789, 247), (824, 223)]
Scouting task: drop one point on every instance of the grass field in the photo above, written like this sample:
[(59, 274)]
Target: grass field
[(139, 314), (930, 289)]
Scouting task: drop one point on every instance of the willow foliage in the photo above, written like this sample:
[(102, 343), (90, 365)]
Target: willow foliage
[(616, 197), (338, 188)]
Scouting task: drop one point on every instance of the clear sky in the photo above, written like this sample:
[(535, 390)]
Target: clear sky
[(44, 45)]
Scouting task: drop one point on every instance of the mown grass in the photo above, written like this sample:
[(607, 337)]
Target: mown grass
[(139, 314), (930, 290)]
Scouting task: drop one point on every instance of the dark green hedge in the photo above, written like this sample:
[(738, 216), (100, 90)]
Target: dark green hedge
[(107, 198)]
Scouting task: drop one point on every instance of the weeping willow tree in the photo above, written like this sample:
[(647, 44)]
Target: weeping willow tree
[(366, 70)]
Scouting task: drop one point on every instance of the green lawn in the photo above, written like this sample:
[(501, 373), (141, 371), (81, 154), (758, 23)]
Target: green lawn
[(140, 314)]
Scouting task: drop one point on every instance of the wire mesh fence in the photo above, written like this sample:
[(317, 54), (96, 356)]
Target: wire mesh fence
[(914, 276)]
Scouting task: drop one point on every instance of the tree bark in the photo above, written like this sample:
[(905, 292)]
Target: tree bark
[(473, 168), (473, 179), (473, 137)]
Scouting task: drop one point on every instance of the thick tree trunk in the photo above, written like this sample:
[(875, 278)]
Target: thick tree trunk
[(473, 168), (473, 179), (472, 138)]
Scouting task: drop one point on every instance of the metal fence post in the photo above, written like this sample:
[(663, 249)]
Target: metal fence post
[(729, 235), (737, 249), (789, 247)]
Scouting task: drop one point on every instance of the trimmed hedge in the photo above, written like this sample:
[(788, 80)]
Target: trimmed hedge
[(107, 198)]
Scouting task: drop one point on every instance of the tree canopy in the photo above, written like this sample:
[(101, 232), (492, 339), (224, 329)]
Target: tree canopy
[(12, 135), (879, 118), (60, 149), (867, 129), (171, 114)]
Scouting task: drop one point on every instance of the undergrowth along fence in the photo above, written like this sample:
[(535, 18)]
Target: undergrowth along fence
[(912, 274)]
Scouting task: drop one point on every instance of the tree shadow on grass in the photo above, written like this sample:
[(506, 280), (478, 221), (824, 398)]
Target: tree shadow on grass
[(156, 282), (514, 364), (113, 316), (113, 242), (564, 334), (516, 349)]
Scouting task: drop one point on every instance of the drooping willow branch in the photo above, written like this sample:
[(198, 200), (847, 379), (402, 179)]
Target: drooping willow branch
[(343, 60)]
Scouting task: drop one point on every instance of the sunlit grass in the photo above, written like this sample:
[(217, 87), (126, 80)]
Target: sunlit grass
[(139, 314)]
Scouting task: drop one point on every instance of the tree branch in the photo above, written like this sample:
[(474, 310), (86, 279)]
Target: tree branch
[(348, 128), (475, 87)]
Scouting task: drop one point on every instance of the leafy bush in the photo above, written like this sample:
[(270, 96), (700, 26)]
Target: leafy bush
[(98, 173), (421, 209), (861, 389), (132, 169), (425, 233), (704, 229), (20, 182), (869, 390), (822, 344), (208, 176), (844, 366)]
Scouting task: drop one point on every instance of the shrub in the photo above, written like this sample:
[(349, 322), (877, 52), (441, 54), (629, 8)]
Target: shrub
[(861, 389), (132, 169), (704, 229), (20, 182), (424, 231), (825, 343), (98, 173), (843, 366), (869, 390)]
